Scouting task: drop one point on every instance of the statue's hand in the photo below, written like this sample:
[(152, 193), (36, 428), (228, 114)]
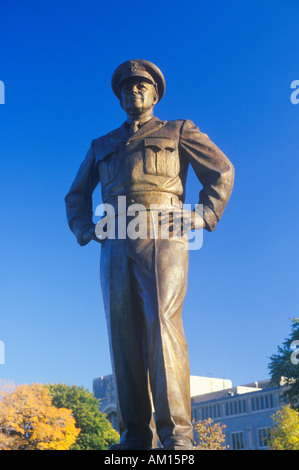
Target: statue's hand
[(192, 221), (182, 223), (90, 235)]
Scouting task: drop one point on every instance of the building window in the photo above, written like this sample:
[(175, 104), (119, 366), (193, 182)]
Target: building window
[(262, 402), (217, 411), (263, 435), (258, 403), (238, 441), (112, 417), (213, 412), (235, 407)]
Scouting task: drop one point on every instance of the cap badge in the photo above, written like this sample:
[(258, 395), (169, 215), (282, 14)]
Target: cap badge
[(133, 66)]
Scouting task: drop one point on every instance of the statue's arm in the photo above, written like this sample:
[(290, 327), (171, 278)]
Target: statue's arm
[(78, 201), (212, 168)]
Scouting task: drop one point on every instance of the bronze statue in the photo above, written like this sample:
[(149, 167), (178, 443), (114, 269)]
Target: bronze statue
[(144, 279)]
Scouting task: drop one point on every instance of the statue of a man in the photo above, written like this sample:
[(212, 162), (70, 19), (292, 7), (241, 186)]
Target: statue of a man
[(144, 279)]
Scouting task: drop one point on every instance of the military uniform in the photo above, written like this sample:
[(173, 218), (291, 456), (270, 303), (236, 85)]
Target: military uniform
[(144, 281)]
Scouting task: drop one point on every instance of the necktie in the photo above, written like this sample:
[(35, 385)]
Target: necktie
[(134, 127)]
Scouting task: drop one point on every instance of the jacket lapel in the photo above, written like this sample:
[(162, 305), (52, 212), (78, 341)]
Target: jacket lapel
[(121, 134)]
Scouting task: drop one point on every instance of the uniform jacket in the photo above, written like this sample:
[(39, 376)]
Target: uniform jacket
[(150, 163)]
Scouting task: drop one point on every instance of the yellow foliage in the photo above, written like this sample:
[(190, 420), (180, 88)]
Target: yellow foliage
[(285, 433), (210, 435), (29, 421)]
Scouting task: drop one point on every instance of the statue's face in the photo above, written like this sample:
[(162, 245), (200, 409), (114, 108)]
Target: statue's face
[(137, 97)]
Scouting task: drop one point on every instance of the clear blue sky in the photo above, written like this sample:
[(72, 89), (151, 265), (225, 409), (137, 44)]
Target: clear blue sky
[(228, 67)]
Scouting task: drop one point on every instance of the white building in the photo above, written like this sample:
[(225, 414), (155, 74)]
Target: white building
[(245, 410)]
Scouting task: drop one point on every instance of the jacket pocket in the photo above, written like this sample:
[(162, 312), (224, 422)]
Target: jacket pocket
[(106, 162), (160, 157)]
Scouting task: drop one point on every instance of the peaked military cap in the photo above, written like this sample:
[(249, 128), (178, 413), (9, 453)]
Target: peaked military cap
[(138, 68)]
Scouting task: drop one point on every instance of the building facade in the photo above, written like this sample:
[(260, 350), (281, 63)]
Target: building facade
[(104, 391), (246, 410)]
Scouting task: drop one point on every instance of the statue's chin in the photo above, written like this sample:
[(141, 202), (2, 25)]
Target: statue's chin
[(135, 111)]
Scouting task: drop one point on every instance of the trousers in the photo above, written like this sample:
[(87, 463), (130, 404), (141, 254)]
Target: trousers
[(144, 284)]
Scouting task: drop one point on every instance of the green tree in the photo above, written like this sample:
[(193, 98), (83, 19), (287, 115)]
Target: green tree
[(96, 431), (285, 364), (285, 434)]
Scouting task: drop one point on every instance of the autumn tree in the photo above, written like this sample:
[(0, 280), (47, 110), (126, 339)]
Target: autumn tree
[(210, 435), (29, 421), (285, 433), (96, 431), (6, 386), (286, 364)]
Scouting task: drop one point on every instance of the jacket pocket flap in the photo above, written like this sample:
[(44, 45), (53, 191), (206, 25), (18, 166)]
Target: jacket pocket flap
[(160, 143), (104, 149)]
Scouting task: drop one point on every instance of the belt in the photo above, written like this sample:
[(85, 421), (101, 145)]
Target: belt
[(147, 199)]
